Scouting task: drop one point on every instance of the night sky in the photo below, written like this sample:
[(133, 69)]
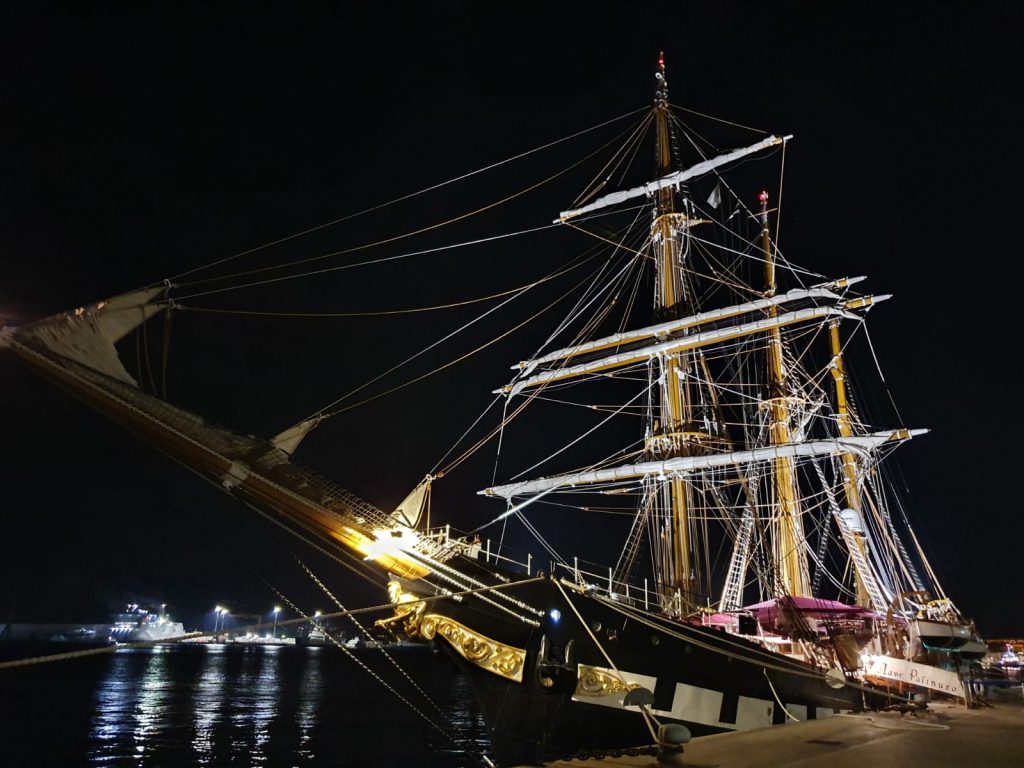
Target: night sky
[(143, 141)]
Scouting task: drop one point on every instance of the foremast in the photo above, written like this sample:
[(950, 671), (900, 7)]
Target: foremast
[(676, 432)]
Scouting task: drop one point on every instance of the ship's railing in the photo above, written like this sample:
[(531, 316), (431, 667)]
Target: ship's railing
[(639, 594), (448, 540)]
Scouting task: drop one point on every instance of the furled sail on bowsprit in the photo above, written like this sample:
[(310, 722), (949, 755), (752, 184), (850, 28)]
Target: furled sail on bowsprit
[(76, 350), (87, 335)]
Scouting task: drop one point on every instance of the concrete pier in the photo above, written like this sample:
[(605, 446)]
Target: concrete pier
[(946, 736)]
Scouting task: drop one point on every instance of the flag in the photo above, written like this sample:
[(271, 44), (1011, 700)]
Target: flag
[(715, 198)]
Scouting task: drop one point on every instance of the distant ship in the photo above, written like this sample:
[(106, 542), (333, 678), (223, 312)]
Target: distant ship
[(137, 624), (315, 636)]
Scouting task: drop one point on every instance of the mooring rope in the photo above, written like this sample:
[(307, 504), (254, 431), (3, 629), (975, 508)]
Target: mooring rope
[(367, 635), (348, 652)]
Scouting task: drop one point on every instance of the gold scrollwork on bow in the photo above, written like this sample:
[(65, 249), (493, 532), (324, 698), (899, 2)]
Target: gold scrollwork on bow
[(502, 660), (594, 681)]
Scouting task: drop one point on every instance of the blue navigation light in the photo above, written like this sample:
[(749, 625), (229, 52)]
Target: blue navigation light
[(555, 615)]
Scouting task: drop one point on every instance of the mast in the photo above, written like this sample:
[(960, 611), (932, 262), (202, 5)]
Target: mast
[(790, 555), (674, 434), (852, 492)]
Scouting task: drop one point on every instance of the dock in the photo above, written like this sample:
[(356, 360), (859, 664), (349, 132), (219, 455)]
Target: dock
[(944, 736)]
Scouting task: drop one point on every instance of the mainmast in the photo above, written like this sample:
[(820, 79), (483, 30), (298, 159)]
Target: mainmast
[(849, 463), (675, 434), (790, 555)]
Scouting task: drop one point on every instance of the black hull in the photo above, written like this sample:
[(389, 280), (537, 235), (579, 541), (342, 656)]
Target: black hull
[(701, 677)]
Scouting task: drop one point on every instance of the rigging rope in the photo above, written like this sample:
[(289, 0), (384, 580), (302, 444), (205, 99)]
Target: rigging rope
[(587, 433), (462, 437), (408, 311), (341, 646), (791, 267), (325, 413), (718, 119), (382, 260), (419, 231), (368, 262), (614, 162), (531, 529), (778, 205), (409, 195), (582, 303), (366, 634), (505, 419)]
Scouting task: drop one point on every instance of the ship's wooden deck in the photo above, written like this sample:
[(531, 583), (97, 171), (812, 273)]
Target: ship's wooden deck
[(946, 736)]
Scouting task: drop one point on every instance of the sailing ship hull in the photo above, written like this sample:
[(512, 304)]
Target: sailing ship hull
[(569, 701)]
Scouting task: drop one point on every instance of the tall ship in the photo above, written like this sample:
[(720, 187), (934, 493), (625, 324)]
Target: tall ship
[(766, 571)]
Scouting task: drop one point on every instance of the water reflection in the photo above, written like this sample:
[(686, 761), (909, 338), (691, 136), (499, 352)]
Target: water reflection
[(207, 703), (265, 698), (237, 700), (152, 702), (219, 705), (130, 705), (114, 700), (465, 722), (309, 703)]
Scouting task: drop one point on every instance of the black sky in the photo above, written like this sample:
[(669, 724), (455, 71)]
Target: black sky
[(141, 141)]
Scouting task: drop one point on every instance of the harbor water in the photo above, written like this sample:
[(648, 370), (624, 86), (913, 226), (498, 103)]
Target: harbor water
[(224, 705)]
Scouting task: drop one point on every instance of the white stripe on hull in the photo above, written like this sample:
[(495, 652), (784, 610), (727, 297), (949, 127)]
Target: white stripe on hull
[(694, 704)]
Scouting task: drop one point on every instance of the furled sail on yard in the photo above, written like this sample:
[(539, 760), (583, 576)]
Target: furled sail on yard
[(684, 465), (673, 179)]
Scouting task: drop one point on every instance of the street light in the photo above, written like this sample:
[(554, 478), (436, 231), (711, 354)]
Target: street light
[(277, 610)]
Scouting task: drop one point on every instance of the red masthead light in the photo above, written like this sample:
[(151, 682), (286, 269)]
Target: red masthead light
[(763, 197), (661, 59)]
